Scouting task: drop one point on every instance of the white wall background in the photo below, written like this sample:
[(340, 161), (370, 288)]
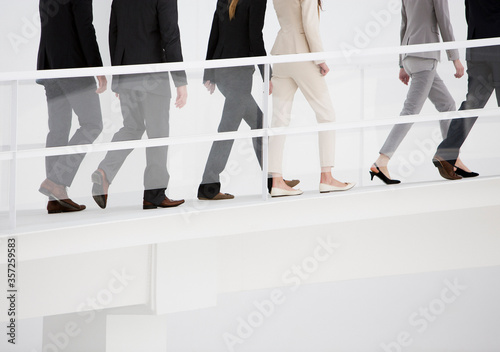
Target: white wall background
[(342, 25)]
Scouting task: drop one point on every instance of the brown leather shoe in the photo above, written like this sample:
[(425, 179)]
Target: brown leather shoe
[(53, 207), (445, 168), (220, 196), (292, 183), (100, 188), (58, 193), (167, 203)]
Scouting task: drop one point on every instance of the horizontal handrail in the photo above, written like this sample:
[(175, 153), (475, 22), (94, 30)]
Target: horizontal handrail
[(191, 65), (179, 140)]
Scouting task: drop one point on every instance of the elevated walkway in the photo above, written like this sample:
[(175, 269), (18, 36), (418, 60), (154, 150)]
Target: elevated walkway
[(183, 258)]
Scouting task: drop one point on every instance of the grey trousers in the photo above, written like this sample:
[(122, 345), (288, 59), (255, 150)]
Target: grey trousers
[(142, 112), (484, 78), (425, 83), (235, 83), (64, 96)]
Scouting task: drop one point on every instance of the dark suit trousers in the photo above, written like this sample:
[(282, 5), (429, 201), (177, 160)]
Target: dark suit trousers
[(484, 77), (64, 96), (143, 112), (235, 83)]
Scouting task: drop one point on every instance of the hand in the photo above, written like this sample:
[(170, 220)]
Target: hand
[(182, 94), (270, 87), (324, 69), (210, 87), (460, 70), (403, 76), (103, 84)]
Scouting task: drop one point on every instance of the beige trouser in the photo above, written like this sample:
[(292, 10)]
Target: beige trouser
[(287, 77)]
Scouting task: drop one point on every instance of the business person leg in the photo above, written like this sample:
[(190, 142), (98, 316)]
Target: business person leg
[(483, 78), (63, 97), (313, 85), (284, 89), (254, 118), (133, 129), (236, 86), (422, 73), (155, 109), (443, 101), (425, 83), (141, 112), (286, 79)]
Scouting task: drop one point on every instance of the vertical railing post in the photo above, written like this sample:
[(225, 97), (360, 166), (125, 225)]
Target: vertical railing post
[(13, 162), (361, 131), (265, 127)]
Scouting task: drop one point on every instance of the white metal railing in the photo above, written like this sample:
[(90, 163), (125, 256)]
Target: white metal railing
[(361, 59), (176, 66)]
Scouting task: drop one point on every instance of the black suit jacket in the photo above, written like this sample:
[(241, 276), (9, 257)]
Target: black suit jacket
[(145, 32), (239, 37), (483, 19), (68, 37)]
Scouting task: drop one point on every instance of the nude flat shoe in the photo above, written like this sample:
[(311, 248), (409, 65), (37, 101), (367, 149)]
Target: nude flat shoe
[(326, 188), (280, 192)]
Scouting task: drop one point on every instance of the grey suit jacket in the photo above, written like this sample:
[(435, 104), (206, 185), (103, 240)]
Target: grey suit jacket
[(422, 22)]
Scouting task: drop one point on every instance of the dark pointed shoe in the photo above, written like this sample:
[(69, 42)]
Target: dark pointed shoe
[(167, 203), (53, 207), (465, 174), (100, 188), (383, 177), (58, 193)]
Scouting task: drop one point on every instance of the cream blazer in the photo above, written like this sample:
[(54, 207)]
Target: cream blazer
[(299, 33)]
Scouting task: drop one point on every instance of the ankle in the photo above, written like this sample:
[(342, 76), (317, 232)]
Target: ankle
[(326, 177), (382, 161)]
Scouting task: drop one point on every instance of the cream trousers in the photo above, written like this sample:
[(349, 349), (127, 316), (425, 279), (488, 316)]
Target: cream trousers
[(287, 77)]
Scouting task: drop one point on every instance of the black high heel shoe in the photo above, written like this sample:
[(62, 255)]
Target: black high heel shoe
[(384, 178), (464, 173)]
